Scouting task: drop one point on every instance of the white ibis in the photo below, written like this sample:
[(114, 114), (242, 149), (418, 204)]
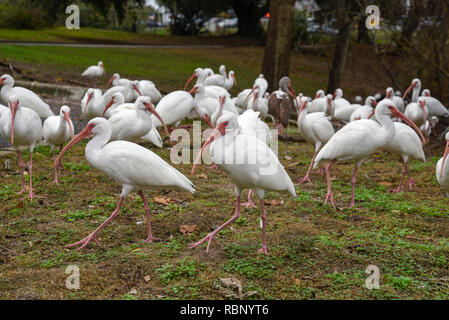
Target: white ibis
[(436, 108), (259, 103), (250, 164), (58, 130), (358, 140), (94, 72), (222, 79), (131, 165), (416, 86), (280, 106), (316, 128), (116, 80), (205, 104), (429, 127), (116, 104), (365, 111), (223, 105), (128, 92), (148, 88), (319, 103), (339, 101), (397, 100), (130, 125), (442, 169), (22, 126), (27, 97), (418, 111), (406, 143), (92, 104), (200, 74)]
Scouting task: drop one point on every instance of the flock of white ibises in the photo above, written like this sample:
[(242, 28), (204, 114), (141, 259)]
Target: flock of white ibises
[(239, 139)]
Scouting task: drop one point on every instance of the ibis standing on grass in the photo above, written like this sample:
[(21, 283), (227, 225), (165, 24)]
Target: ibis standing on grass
[(58, 130), (23, 128), (27, 97), (94, 72), (360, 139), (250, 164), (133, 166)]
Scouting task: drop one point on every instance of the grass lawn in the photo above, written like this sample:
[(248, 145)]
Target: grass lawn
[(90, 35), (316, 251)]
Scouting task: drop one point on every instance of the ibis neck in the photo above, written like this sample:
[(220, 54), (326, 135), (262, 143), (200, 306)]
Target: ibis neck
[(95, 145), (416, 91), (388, 128)]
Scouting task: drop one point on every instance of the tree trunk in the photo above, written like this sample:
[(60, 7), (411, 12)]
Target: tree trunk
[(341, 48), (276, 60), (248, 14)]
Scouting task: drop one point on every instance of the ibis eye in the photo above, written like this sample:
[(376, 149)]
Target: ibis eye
[(92, 125), (226, 123)]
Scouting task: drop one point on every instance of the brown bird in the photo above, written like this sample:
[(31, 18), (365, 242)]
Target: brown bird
[(280, 106)]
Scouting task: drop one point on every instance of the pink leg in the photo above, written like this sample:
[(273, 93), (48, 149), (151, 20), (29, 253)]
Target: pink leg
[(211, 236), (353, 181), (93, 235), (22, 169), (213, 167), (328, 178), (150, 238), (322, 171), (263, 216), (404, 171), (31, 194), (411, 182), (307, 178), (56, 169), (250, 202)]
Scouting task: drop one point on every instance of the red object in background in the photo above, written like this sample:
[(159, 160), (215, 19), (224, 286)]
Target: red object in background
[(267, 15)]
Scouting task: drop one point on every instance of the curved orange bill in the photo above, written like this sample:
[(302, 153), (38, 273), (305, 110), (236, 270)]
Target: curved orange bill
[(86, 132), (408, 90), (150, 107), (207, 120), (13, 107), (110, 81), (303, 105), (216, 133), (293, 94), (107, 107), (89, 97), (423, 107), (137, 89), (249, 94), (193, 90), (235, 79), (446, 153), (255, 98), (67, 118), (190, 80), (398, 114), (372, 114)]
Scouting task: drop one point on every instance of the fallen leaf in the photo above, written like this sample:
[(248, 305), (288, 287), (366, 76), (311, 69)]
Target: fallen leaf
[(297, 281), (30, 243), (274, 202), (147, 278), (187, 229), (133, 291), (161, 200), (288, 158), (202, 175), (232, 283), (385, 184)]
